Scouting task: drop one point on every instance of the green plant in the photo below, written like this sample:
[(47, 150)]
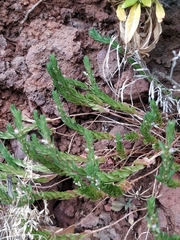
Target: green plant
[(150, 119), (153, 223), (168, 167), (44, 160)]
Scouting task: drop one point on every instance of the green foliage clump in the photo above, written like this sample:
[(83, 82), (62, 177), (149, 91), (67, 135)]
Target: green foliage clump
[(168, 166), (153, 223), (150, 119), (43, 158)]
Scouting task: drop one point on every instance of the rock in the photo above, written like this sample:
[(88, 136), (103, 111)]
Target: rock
[(107, 234), (39, 85), (112, 63), (129, 87), (105, 217), (3, 43), (87, 1), (17, 149), (2, 66), (11, 77), (142, 231), (107, 208), (2, 78), (64, 212), (171, 205), (89, 221), (18, 64), (162, 220)]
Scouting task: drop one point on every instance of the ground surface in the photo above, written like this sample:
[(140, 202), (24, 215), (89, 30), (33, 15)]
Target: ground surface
[(61, 27)]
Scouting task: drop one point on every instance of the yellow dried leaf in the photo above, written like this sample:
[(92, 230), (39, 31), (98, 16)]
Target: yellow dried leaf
[(147, 3), (132, 21), (121, 14), (122, 30), (148, 32), (136, 41), (160, 13)]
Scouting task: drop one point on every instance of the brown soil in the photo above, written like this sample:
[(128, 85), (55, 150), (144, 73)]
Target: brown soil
[(61, 27)]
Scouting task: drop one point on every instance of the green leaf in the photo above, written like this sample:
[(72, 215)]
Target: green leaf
[(6, 135), (46, 196), (51, 236), (41, 168), (106, 40), (173, 183), (147, 3), (77, 127), (155, 112), (118, 175), (11, 170), (170, 132), (91, 192), (129, 3), (16, 163), (101, 95), (4, 197), (17, 117), (119, 146), (131, 136), (111, 190)]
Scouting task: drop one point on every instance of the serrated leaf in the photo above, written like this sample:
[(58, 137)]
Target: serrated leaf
[(4, 197), (6, 135), (11, 170), (170, 131), (120, 147), (131, 136), (14, 162), (132, 22), (118, 175), (160, 13), (17, 117), (111, 189), (147, 3), (47, 196), (90, 192), (129, 3), (121, 14)]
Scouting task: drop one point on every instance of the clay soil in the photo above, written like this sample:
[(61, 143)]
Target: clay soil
[(61, 27)]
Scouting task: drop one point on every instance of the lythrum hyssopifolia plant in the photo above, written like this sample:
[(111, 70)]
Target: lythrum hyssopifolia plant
[(44, 161)]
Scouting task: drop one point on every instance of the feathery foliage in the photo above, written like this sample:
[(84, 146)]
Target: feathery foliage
[(42, 156)]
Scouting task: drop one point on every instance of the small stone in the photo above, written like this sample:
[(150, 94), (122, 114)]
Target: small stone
[(90, 221), (107, 208), (105, 217), (17, 149), (169, 198), (162, 220), (3, 43)]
